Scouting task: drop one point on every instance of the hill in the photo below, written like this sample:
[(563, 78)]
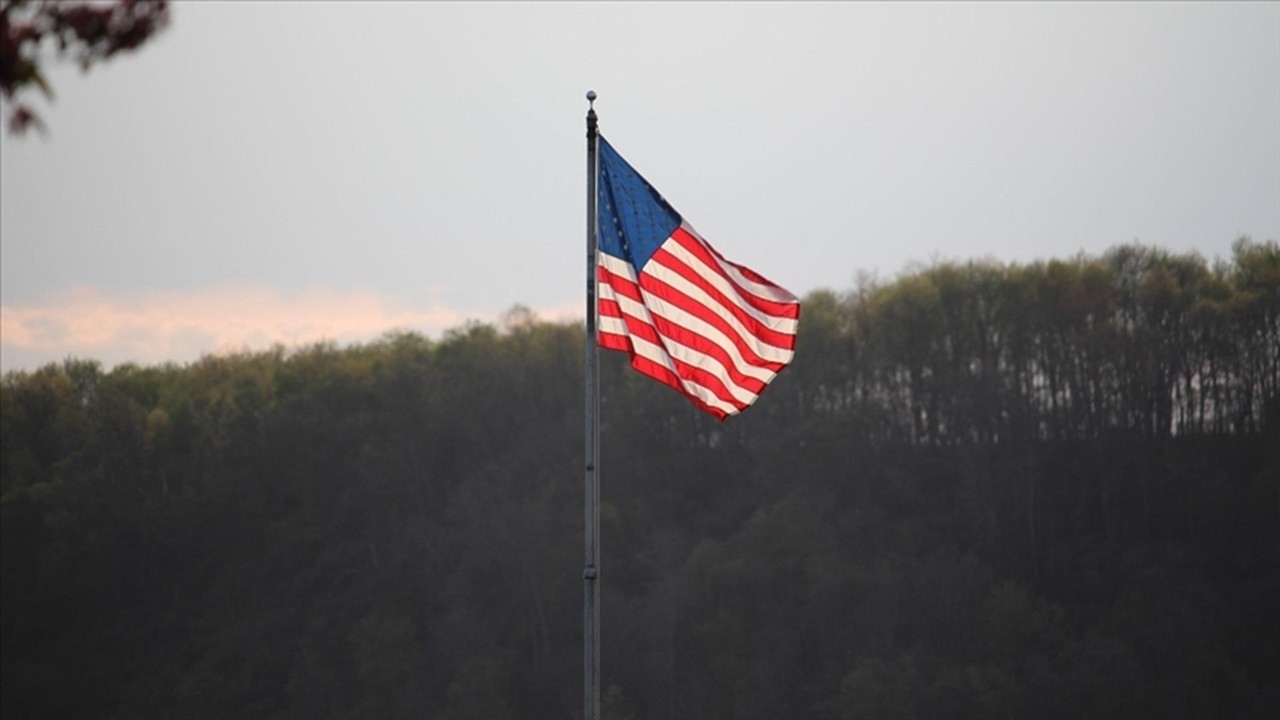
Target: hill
[(1048, 490)]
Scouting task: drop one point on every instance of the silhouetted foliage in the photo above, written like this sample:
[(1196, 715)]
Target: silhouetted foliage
[(90, 31), (1031, 491)]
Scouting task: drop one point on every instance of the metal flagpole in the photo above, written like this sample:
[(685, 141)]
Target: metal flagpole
[(591, 572)]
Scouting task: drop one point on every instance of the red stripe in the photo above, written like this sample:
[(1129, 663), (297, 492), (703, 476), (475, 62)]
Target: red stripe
[(620, 284), (612, 341), (666, 332), (697, 340), (752, 324), (708, 347), (609, 308), (659, 288), (713, 259), (684, 371), (662, 327), (661, 332), (701, 377), (662, 374)]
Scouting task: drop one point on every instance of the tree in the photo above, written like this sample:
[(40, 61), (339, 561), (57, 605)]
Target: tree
[(967, 498), (91, 32)]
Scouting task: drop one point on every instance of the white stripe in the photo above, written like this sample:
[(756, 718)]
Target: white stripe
[(714, 275), (645, 349), (665, 357), (604, 291), (762, 347), (621, 267), (692, 356), (679, 316), (766, 351), (648, 350), (611, 325), (772, 292), (775, 322), (684, 319), (688, 355), (617, 266)]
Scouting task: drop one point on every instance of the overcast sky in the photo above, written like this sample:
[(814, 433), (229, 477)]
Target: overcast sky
[(295, 171)]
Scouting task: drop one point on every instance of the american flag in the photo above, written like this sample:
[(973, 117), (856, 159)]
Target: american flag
[(714, 330)]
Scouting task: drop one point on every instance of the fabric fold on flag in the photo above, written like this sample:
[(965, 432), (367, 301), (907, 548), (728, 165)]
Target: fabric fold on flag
[(714, 330)]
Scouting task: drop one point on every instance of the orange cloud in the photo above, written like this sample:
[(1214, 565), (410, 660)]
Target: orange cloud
[(180, 327)]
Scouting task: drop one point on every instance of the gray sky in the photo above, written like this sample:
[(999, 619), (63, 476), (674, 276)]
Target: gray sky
[(295, 171)]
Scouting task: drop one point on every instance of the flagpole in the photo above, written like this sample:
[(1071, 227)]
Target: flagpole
[(591, 571)]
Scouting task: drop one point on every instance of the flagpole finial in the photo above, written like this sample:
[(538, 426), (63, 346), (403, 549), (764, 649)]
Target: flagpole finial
[(591, 114)]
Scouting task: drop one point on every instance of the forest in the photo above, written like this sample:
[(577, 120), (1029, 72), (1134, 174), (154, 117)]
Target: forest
[(1040, 490)]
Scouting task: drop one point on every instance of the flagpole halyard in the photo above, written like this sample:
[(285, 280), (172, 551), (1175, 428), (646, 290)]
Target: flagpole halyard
[(591, 520)]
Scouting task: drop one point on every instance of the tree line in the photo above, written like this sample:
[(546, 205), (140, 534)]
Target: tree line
[(1139, 339), (1039, 490)]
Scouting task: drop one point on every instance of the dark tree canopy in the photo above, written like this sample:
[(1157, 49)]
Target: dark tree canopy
[(89, 32), (1026, 491)]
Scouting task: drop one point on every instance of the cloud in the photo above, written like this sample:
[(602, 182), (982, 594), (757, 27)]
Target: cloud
[(159, 327)]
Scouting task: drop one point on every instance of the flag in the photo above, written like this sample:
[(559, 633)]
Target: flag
[(714, 330)]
